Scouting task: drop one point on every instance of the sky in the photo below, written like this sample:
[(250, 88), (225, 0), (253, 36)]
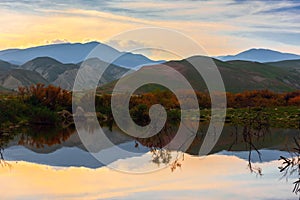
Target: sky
[(220, 27)]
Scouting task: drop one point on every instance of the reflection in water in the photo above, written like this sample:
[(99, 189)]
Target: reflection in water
[(63, 147), (291, 166), (41, 136), (215, 177), (255, 127)]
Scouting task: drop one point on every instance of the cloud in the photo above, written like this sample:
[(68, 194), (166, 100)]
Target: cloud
[(57, 41), (126, 45), (222, 27)]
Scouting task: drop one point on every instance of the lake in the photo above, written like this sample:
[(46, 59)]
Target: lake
[(44, 162)]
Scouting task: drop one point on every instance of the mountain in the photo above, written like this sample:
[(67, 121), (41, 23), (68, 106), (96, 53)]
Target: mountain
[(19, 77), (75, 53), (238, 76), (11, 77), (90, 68), (6, 66), (50, 71), (47, 67), (8, 51), (260, 55)]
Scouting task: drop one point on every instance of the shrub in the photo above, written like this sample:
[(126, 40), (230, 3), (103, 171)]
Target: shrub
[(43, 115)]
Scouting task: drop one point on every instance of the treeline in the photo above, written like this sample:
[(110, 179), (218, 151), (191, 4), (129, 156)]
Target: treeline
[(36, 104), (139, 104), (256, 98), (263, 98), (52, 97), (40, 104), (57, 99)]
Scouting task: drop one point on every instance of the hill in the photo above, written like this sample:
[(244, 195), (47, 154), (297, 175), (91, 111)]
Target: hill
[(50, 71), (6, 66), (291, 64), (238, 76), (47, 67), (19, 77)]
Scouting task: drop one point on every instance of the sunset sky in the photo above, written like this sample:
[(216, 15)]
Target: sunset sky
[(220, 27)]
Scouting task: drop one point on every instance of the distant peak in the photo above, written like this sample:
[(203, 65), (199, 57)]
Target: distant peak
[(44, 59), (92, 42), (260, 49), (260, 55)]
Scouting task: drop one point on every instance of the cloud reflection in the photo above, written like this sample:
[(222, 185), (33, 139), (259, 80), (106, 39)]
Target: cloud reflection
[(215, 177)]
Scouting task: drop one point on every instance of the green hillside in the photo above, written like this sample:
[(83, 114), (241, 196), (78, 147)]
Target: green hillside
[(286, 64), (238, 76)]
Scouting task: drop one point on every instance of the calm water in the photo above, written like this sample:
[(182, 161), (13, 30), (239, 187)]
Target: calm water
[(45, 163)]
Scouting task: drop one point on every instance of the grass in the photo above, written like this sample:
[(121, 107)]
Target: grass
[(278, 117)]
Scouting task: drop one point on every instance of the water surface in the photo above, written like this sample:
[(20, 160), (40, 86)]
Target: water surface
[(59, 166)]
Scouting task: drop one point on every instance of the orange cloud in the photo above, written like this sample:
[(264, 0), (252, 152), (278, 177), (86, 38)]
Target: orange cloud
[(20, 30)]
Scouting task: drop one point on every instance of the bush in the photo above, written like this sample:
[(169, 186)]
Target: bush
[(174, 115), (43, 115)]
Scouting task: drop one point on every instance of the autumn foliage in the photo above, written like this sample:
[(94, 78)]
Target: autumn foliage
[(56, 98), (262, 98), (52, 97), (256, 98)]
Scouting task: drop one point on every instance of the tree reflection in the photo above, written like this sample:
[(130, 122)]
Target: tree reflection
[(4, 139), (157, 145), (256, 126), (40, 136), (291, 166), (161, 156), (3, 163)]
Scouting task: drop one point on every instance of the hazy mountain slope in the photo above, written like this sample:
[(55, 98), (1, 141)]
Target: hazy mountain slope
[(66, 53), (8, 51), (260, 55), (75, 53)]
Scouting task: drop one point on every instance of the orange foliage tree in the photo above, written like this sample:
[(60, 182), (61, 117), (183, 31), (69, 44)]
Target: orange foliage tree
[(52, 97)]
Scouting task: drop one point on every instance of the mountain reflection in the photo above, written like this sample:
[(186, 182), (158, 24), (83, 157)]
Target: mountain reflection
[(232, 139), (252, 145)]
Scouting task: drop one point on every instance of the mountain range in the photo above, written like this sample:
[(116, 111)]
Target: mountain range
[(75, 53), (49, 71), (260, 55), (59, 64)]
